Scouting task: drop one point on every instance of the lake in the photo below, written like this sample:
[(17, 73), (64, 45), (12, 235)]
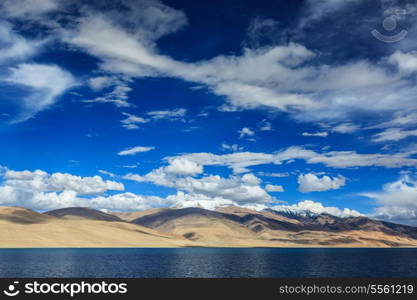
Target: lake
[(208, 262)]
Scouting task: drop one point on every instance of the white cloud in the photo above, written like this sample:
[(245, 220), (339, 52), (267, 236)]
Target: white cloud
[(345, 128), (14, 46), (279, 175), (239, 189), (265, 126), (340, 127), (181, 166), (261, 30), (128, 202), (34, 199), (42, 191), (393, 134), (118, 95), (397, 202), (318, 134), (245, 132), (406, 62), (104, 172), (239, 162), (171, 115), (183, 200), (59, 182), (130, 166), (287, 77), (274, 188), (28, 8), (233, 148), (307, 207), (132, 121), (317, 9), (400, 119), (134, 150), (276, 77), (46, 84), (312, 183), (100, 82)]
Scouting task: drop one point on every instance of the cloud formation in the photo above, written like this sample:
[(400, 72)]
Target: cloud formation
[(312, 183), (397, 201), (307, 207), (240, 162), (42, 191), (135, 150), (237, 189), (45, 83)]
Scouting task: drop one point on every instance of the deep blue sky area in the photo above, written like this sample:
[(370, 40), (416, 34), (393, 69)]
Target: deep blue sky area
[(294, 105)]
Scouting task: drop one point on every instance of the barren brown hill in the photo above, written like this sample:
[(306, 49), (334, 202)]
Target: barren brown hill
[(82, 213), (199, 225), (21, 227), (130, 216), (22, 215)]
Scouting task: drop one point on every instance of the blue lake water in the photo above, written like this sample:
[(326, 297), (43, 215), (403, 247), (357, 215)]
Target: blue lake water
[(208, 262)]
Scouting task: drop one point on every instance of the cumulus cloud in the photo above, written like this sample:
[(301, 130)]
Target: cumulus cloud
[(312, 183), (135, 150), (307, 207), (183, 200), (246, 132), (239, 189), (34, 199), (128, 202), (58, 182), (406, 62), (45, 83), (183, 166), (42, 191), (397, 201), (274, 188)]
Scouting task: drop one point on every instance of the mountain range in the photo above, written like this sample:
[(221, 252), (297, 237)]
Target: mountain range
[(195, 227)]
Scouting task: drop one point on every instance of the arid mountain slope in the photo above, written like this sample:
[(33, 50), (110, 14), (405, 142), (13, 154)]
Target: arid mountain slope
[(21, 227), (195, 227), (82, 213), (239, 226), (130, 216)]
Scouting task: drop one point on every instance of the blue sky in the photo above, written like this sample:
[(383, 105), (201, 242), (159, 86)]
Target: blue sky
[(127, 105)]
